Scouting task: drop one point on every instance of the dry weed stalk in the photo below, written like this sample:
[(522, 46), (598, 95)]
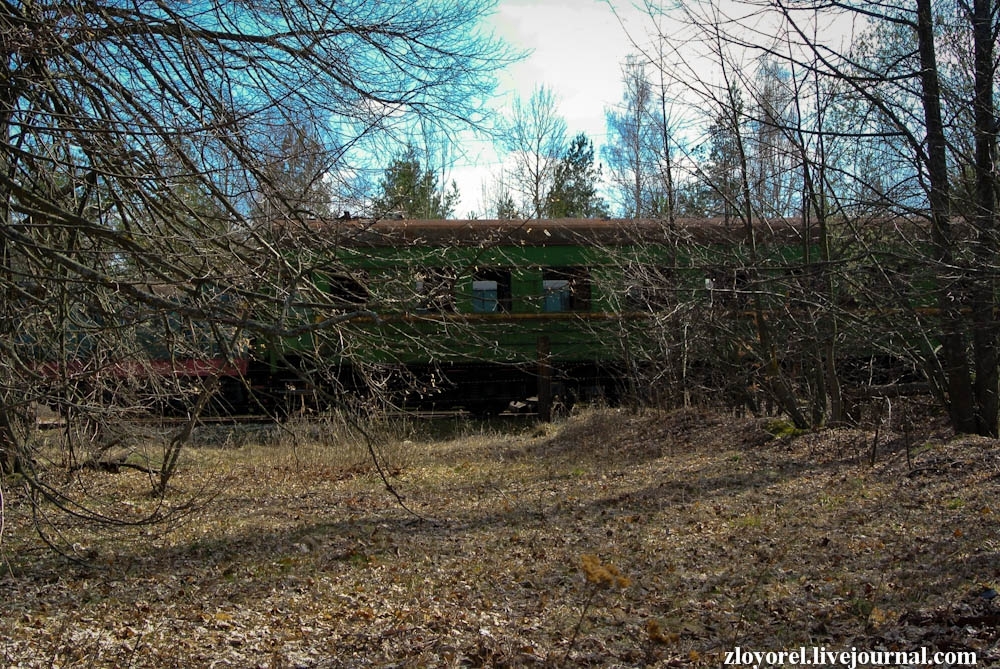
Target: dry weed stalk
[(600, 576)]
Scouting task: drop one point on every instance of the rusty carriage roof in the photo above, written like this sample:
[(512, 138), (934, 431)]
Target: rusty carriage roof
[(536, 232)]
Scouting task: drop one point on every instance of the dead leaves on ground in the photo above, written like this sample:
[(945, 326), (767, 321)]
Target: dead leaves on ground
[(713, 534)]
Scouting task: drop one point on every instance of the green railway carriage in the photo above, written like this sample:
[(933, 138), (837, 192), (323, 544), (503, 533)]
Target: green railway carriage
[(479, 314), (461, 314), (476, 314)]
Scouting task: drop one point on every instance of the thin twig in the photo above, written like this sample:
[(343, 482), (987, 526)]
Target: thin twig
[(579, 623)]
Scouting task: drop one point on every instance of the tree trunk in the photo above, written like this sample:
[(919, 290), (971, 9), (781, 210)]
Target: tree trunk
[(954, 374), (985, 327)]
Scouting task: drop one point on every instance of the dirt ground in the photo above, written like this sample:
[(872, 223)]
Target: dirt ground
[(609, 539)]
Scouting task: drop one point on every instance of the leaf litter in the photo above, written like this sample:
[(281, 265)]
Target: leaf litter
[(609, 539)]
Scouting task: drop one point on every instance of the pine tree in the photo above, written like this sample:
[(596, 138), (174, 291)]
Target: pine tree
[(574, 188), (408, 188)]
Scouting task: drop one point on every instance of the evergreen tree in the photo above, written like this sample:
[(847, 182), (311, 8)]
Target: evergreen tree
[(408, 188), (504, 207), (574, 188)]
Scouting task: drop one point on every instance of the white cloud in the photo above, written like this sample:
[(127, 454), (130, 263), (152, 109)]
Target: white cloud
[(576, 48)]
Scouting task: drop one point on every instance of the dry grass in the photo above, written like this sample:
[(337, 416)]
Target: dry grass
[(712, 533)]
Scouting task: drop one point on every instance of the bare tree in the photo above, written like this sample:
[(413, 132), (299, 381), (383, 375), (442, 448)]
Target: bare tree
[(631, 150), (137, 141), (904, 205), (774, 177), (646, 103), (498, 201), (626, 153), (959, 352), (535, 139), (296, 177)]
